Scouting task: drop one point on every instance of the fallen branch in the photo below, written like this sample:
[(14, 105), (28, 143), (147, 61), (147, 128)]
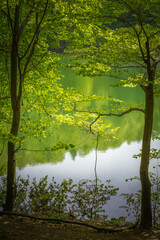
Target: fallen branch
[(99, 229)]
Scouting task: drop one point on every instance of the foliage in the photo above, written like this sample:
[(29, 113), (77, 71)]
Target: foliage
[(21, 195), (89, 198), (133, 200), (117, 221), (21, 203), (155, 196), (62, 192), (85, 199), (39, 195), (3, 189), (133, 203), (116, 35)]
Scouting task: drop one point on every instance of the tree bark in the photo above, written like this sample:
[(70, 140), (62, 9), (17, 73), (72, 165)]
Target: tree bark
[(146, 208)]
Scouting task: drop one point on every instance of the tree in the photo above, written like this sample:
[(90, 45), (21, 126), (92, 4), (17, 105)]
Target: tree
[(31, 97), (125, 36), (29, 86), (21, 56)]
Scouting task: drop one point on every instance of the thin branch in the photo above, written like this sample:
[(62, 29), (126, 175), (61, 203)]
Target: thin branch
[(140, 64), (4, 50), (1, 168), (1, 152), (110, 114), (36, 31), (43, 106), (123, 113), (134, 66), (31, 54), (144, 88), (9, 16), (5, 13), (20, 145), (34, 66), (96, 119), (136, 13), (139, 41), (136, 32), (96, 159), (37, 150), (3, 98), (152, 35), (31, 45), (26, 20)]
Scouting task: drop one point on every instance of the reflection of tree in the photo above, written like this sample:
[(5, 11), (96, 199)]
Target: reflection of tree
[(96, 159), (73, 153)]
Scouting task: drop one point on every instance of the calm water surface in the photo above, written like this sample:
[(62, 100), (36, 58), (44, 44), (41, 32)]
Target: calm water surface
[(114, 164)]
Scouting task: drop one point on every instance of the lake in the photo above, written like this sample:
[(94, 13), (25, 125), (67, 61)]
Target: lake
[(114, 158)]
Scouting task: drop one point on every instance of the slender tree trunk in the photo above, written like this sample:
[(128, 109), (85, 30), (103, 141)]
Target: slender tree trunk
[(16, 109), (11, 168), (146, 209)]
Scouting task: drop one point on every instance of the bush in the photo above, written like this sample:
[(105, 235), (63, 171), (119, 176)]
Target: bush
[(89, 197)]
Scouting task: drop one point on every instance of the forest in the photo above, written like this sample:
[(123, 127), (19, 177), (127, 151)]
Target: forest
[(78, 78)]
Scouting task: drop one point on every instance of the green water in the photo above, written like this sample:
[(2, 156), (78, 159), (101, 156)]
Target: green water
[(131, 125)]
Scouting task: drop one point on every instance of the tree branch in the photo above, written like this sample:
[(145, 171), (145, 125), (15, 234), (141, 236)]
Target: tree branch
[(34, 66), (5, 13), (107, 115), (111, 114), (36, 31), (30, 47), (100, 229), (9, 16), (3, 98), (26, 20), (2, 152)]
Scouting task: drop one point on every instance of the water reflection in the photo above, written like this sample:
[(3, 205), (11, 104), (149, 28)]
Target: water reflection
[(114, 164)]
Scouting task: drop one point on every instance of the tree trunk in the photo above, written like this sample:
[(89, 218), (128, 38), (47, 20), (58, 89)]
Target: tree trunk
[(11, 168), (16, 108), (146, 208)]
